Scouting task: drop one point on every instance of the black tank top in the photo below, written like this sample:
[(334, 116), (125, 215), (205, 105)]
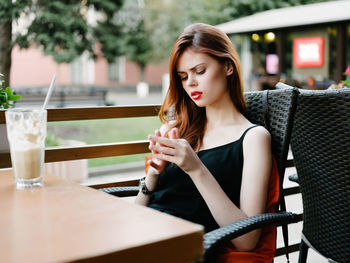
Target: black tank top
[(177, 195)]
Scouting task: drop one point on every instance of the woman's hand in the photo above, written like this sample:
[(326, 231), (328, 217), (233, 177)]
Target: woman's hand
[(156, 163), (175, 150)]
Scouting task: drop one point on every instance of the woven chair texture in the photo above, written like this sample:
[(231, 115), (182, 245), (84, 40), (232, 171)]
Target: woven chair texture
[(321, 151), (244, 226), (121, 191), (281, 106)]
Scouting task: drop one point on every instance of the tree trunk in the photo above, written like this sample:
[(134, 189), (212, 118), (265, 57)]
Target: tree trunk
[(142, 72), (5, 51)]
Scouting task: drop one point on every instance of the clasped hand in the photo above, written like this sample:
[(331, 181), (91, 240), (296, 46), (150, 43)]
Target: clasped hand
[(174, 150)]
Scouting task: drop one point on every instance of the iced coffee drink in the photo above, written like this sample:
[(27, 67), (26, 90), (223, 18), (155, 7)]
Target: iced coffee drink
[(26, 131)]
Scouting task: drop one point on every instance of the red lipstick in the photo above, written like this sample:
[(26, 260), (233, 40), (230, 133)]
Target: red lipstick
[(196, 95)]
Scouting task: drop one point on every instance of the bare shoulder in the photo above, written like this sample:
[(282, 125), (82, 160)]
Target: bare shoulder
[(257, 147), (257, 135), (166, 127)]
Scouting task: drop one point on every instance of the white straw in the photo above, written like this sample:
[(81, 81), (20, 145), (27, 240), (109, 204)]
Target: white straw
[(48, 95)]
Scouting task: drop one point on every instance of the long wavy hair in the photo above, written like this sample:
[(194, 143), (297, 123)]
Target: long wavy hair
[(189, 118)]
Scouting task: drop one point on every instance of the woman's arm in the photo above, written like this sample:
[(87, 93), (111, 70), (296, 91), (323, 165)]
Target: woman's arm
[(151, 183), (255, 177), (156, 167)]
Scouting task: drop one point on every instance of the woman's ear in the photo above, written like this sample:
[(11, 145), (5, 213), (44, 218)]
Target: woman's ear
[(229, 68)]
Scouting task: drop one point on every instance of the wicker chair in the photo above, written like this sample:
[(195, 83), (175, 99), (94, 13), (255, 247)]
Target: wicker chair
[(281, 108), (321, 150)]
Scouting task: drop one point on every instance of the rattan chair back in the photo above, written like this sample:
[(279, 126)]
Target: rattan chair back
[(281, 108), (321, 151)]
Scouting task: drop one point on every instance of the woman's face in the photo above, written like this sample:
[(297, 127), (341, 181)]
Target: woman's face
[(203, 77)]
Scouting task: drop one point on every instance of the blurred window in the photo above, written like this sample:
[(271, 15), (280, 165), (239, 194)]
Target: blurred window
[(76, 71), (116, 70)]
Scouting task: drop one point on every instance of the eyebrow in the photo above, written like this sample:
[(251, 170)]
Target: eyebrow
[(191, 69)]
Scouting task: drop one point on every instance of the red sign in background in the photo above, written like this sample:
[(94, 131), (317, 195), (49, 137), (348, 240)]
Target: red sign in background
[(308, 52)]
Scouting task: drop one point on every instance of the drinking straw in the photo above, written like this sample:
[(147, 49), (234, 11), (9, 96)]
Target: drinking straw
[(48, 95)]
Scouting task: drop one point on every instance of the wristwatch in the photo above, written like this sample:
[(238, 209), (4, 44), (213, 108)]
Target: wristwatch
[(143, 187)]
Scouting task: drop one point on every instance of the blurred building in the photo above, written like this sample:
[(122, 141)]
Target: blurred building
[(306, 46), (30, 68)]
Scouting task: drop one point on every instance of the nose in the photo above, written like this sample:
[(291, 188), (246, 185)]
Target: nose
[(191, 80)]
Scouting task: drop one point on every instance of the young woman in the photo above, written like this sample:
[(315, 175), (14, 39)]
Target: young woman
[(210, 165)]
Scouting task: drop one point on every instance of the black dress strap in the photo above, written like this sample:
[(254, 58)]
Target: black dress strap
[(245, 132)]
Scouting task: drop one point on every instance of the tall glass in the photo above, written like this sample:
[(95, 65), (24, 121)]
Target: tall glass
[(26, 132)]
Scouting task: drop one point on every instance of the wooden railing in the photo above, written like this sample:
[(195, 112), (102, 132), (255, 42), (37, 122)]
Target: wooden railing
[(91, 151), (110, 149)]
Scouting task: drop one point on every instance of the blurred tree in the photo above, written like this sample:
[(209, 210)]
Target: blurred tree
[(8, 12), (207, 11), (136, 36), (63, 29), (248, 7), (165, 19), (150, 28), (138, 47), (210, 12)]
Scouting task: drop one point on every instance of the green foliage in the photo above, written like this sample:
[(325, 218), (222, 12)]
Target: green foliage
[(107, 32), (52, 140), (108, 7), (111, 40), (59, 29), (165, 20), (214, 12), (136, 36), (138, 45), (249, 7), (64, 31), (10, 10), (206, 11), (6, 96)]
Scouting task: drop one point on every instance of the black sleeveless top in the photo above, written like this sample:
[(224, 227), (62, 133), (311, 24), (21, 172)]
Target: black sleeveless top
[(176, 194)]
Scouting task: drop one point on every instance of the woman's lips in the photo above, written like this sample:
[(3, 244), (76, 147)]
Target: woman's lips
[(196, 95)]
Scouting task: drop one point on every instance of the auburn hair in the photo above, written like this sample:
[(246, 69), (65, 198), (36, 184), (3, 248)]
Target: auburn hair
[(188, 117)]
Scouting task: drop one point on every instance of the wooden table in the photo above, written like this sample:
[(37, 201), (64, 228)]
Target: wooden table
[(64, 221)]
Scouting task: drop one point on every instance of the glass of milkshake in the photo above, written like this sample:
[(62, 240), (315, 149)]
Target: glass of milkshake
[(26, 131)]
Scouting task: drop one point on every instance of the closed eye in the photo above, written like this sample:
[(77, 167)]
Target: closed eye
[(182, 76), (201, 72)]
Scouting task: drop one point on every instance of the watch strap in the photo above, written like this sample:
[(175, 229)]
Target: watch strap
[(143, 187)]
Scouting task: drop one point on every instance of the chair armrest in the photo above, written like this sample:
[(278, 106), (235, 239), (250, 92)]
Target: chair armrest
[(121, 191), (294, 178), (218, 236)]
